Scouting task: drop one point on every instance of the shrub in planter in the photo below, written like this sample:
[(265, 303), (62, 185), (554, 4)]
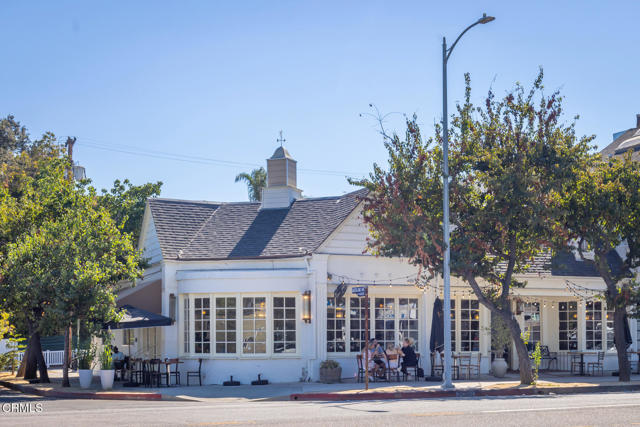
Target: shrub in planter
[(85, 364), (500, 338), (330, 371), (106, 368)]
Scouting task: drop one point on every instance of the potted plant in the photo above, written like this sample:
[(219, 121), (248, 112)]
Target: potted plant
[(500, 338), (85, 364), (330, 372), (106, 368)]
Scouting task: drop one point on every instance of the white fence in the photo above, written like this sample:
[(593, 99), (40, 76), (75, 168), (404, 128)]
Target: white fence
[(51, 358)]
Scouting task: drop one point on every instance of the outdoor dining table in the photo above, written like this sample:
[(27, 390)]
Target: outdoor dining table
[(167, 366), (582, 354)]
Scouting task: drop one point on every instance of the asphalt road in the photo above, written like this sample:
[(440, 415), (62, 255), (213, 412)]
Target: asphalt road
[(567, 410)]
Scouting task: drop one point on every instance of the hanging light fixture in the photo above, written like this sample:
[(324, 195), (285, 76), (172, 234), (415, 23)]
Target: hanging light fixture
[(306, 306)]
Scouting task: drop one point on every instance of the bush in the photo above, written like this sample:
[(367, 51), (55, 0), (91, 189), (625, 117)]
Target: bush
[(106, 360), (86, 355), (329, 364)]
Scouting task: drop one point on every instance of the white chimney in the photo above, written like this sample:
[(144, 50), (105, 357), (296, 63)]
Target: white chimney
[(281, 188)]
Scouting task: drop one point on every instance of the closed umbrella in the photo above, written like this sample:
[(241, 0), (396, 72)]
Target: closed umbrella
[(437, 330)]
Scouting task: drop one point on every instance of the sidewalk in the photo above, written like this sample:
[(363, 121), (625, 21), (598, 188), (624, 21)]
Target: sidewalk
[(550, 383)]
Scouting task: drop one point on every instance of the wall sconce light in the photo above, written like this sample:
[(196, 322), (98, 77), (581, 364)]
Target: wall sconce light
[(306, 306)]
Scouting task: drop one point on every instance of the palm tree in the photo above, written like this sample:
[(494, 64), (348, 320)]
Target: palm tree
[(256, 181)]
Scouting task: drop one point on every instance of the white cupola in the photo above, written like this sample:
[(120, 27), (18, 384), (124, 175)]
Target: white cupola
[(281, 189)]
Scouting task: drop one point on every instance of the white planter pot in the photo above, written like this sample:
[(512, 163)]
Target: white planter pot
[(106, 378), (86, 375), (499, 367)]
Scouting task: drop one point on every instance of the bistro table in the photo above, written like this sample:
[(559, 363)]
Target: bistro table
[(582, 354)]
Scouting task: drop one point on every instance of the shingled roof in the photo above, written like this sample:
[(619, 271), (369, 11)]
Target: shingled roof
[(192, 230), (565, 263), (627, 141)]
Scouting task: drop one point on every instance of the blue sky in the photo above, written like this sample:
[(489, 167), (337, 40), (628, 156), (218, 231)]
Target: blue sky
[(218, 80)]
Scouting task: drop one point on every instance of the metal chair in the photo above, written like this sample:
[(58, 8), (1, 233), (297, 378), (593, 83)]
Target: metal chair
[(197, 373), (576, 364), (464, 363), (175, 372), (405, 372), (474, 368), (597, 366), (361, 371), (393, 370)]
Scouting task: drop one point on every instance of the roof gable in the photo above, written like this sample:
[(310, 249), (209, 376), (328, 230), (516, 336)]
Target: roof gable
[(201, 230)]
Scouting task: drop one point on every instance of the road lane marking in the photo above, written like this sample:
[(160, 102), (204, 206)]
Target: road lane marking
[(558, 408)]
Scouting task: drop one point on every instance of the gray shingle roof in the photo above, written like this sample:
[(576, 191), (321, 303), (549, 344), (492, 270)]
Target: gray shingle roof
[(629, 140), (193, 230), (564, 263)]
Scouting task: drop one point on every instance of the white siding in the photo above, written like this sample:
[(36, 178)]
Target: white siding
[(350, 238), (150, 243)]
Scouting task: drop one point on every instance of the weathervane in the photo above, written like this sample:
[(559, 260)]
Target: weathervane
[(281, 139)]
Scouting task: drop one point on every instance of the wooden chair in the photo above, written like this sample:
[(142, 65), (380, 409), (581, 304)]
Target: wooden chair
[(197, 373), (474, 365), (597, 366), (464, 365), (437, 364), (361, 371), (395, 370)]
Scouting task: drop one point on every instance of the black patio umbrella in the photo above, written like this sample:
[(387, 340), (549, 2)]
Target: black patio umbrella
[(437, 327), (437, 330)]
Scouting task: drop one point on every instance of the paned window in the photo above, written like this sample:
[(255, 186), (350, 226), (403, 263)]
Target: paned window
[(599, 326), (202, 325), (385, 312), (254, 325), (225, 325), (469, 325), (336, 330), (568, 325), (408, 319), (531, 313), (357, 324), (284, 325), (454, 344), (186, 333)]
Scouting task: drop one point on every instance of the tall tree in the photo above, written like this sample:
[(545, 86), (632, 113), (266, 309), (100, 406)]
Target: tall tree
[(126, 203), (256, 181), (75, 261), (603, 213), (509, 162)]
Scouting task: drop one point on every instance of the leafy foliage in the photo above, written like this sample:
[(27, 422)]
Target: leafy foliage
[(13, 343), (510, 163), (126, 203), (256, 181), (603, 212)]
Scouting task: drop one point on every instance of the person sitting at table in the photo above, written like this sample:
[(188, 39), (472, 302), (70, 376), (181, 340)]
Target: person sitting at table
[(376, 361), (118, 360), (409, 358)]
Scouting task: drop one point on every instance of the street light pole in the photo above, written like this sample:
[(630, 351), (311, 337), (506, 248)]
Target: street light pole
[(447, 384)]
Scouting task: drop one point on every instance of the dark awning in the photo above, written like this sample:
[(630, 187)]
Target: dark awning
[(135, 317)]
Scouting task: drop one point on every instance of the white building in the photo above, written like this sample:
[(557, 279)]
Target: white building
[(236, 279)]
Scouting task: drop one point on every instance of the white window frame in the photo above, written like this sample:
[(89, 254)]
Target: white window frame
[(239, 326), (604, 318), (457, 330), (579, 345), (372, 329)]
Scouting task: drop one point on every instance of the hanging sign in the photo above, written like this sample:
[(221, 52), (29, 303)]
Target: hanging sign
[(361, 291)]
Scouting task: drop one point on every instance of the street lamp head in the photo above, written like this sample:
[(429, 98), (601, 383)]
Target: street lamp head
[(485, 19)]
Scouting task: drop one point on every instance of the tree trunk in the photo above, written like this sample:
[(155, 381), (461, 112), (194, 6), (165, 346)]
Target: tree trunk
[(35, 360), (67, 357), (524, 361), (624, 367)]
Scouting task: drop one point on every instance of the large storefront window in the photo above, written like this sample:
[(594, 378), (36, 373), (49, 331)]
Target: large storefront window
[(391, 320), (599, 326), (568, 325), (336, 330), (531, 313), (239, 325)]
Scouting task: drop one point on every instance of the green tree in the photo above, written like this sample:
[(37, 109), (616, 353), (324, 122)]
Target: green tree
[(510, 161), (256, 181), (126, 203), (603, 212)]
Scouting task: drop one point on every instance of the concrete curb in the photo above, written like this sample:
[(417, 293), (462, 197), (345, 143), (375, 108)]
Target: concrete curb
[(477, 392), (85, 395)]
